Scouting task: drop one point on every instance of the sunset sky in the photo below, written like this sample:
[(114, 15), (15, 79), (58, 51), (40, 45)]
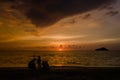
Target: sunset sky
[(33, 23)]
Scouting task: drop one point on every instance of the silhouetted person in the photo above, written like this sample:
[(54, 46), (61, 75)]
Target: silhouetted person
[(39, 62), (32, 65), (45, 66)]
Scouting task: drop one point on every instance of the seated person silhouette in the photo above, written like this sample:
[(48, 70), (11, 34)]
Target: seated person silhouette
[(45, 66), (32, 65)]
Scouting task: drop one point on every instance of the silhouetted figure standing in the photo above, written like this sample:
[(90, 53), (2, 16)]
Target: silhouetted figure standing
[(39, 62), (32, 64)]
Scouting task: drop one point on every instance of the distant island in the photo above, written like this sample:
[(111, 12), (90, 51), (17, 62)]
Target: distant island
[(101, 49)]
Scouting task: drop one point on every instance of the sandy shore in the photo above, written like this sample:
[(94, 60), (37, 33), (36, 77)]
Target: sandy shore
[(61, 73)]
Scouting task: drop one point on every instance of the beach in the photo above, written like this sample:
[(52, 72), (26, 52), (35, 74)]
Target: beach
[(61, 73)]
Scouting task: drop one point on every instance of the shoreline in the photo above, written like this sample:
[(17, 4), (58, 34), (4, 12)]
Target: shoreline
[(64, 68)]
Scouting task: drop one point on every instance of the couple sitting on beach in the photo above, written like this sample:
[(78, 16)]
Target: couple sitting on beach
[(43, 65)]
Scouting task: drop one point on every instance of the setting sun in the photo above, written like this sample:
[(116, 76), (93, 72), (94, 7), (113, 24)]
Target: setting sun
[(60, 49)]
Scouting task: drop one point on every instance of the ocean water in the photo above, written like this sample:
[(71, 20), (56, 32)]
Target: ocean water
[(62, 58)]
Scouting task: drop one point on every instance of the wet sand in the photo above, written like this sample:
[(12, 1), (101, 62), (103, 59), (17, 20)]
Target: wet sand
[(61, 73)]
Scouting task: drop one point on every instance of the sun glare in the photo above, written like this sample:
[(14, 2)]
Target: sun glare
[(59, 46), (60, 49)]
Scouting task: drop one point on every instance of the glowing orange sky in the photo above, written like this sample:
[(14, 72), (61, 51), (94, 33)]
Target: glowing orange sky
[(93, 28)]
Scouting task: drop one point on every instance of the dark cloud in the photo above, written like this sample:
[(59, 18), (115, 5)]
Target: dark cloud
[(43, 13), (87, 16), (112, 13), (72, 21), (110, 7), (7, 0)]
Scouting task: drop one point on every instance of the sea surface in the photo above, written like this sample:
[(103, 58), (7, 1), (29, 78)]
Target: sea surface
[(62, 58)]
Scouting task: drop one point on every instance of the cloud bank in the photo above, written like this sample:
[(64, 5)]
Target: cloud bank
[(43, 13)]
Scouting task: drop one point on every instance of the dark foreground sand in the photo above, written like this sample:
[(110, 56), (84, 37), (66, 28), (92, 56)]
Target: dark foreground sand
[(61, 73)]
